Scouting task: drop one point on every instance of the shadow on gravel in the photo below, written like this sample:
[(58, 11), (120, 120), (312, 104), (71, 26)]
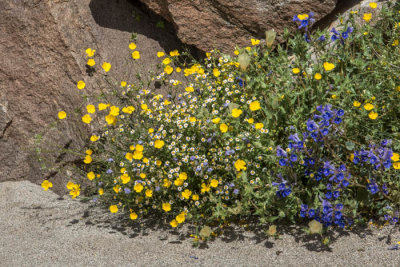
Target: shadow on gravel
[(236, 231)]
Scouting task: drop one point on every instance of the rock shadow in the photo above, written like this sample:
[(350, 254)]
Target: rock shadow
[(134, 17)]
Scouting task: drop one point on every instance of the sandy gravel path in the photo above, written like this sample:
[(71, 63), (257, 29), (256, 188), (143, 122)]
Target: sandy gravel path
[(38, 228)]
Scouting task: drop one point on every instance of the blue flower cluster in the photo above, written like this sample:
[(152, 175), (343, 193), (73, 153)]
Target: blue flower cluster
[(328, 215), (283, 189), (379, 157), (341, 36)]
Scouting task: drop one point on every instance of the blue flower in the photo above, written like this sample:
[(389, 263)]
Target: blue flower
[(311, 125), (373, 187), (311, 213), (282, 162)]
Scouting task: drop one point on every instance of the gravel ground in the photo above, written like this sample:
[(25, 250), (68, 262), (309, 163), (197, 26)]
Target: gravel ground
[(39, 228)]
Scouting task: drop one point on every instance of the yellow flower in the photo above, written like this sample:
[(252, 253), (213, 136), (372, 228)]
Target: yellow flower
[(88, 159), (236, 112), (216, 72), (110, 119), (114, 111), (94, 138), (81, 85), (356, 104), (62, 115), (158, 144), (334, 96), (143, 106), (46, 185), (251, 120), (240, 165), (89, 152), (91, 109), (328, 66), (128, 109), (236, 52), (255, 105), (189, 89), (318, 76), (160, 54), (368, 106), (135, 55), (75, 190), (367, 17), (117, 188), (255, 41), (166, 61), (183, 176), (132, 46), (106, 66), (149, 193), (103, 106), (133, 216), (205, 188), (214, 183), (90, 52), (70, 185), (178, 69), (173, 223), (223, 127), (186, 194), (113, 208), (125, 178), (167, 183), (395, 157), (396, 165), (86, 118), (259, 125), (192, 119), (195, 197), (296, 70), (91, 176), (395, 43), (302, 16), (139, 148), (138, 187), (180, 218), (138, 154), (178, 182), (91, 62), (168, 69), (101, 191), (174, 53), (373, 5), (123, 83), (373, 115), (216, 120), (166, 207)]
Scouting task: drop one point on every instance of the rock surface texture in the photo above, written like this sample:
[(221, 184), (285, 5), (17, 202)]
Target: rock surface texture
[(209, 24), (42, 44)]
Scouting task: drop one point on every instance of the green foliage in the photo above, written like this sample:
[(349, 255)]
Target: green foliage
[(210, 152)]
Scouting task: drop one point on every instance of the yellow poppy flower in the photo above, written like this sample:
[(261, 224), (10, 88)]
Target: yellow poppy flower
[(113, 209), (62, 115), (46, 185)]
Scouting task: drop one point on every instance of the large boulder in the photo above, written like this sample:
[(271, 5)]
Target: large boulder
[(221, 24), (42, 44)]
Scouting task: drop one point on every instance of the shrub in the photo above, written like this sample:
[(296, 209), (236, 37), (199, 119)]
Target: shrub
[(305, 131)]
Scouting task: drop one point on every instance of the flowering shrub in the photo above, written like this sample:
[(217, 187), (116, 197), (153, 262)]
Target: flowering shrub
[(303, 131)]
